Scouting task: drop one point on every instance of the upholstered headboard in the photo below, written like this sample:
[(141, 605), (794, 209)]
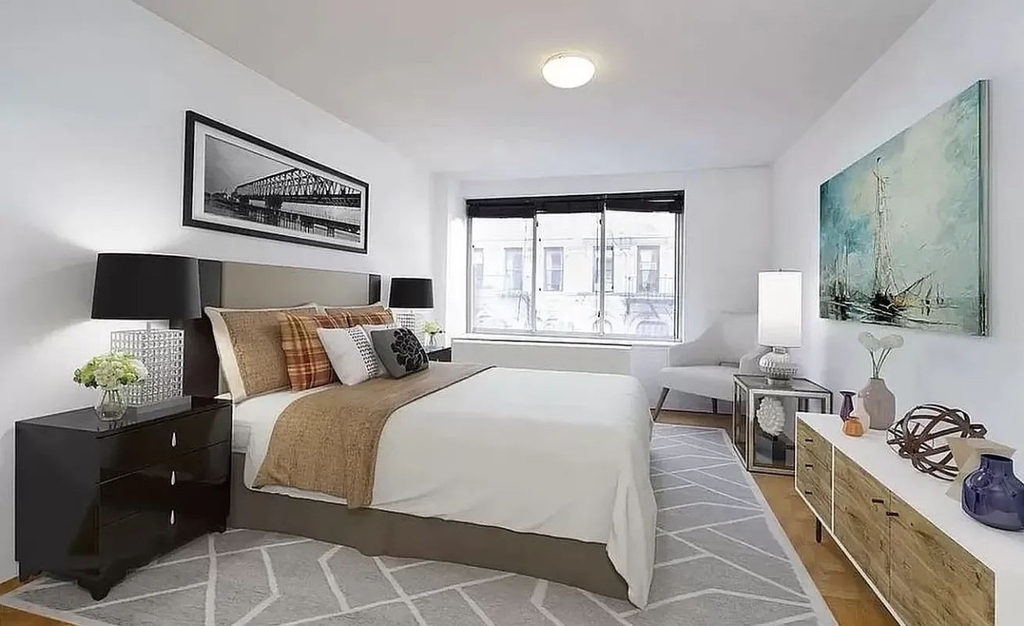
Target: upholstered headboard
[(253, 286)]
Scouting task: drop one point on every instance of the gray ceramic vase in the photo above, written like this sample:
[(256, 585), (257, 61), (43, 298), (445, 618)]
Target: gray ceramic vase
[(879, 404)]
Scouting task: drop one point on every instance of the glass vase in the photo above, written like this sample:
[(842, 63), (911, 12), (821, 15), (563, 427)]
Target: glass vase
[(993, 495), (847, 409), (112, 404)]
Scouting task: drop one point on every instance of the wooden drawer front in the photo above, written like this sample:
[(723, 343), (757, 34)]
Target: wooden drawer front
[(183, 479), (133, 450), (861, 522), (811, 444), (934, 580), (817, 490)]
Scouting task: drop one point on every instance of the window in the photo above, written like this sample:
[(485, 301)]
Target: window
[(648, 272), (609, 269), (558, 274), (513, 270), (478, 268), (553, 269), (496, 306)]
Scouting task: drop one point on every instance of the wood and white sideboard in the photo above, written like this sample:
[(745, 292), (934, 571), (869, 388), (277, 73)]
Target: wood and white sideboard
[(929, 563)]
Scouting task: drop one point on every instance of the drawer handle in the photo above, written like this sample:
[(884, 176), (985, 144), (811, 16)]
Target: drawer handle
[(877, 501), (172, 517), (892, 514), (808, 493), (174, 440), (809, 465), (808, 441), (174, 478)]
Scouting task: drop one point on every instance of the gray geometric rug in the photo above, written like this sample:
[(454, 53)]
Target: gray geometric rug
[(721, 560)]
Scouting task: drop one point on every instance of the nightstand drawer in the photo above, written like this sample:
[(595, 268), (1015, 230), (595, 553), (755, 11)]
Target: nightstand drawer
[(442, 355), (128, 452), (173, 484)]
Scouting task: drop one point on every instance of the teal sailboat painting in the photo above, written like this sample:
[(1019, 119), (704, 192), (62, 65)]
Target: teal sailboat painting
[(904, 236)]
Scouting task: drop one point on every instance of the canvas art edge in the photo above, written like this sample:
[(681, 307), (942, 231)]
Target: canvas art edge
[(983, 87)]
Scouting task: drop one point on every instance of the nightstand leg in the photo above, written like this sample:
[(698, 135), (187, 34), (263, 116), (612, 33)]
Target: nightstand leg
[(817, 530), (25, 574)]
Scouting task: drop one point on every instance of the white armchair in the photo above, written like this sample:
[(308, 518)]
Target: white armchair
[(705, 366)]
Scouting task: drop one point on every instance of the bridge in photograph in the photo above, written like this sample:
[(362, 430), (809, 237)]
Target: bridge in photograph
[(300, 187)]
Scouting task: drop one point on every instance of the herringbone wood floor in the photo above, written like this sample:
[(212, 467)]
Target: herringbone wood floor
[(847, 595)]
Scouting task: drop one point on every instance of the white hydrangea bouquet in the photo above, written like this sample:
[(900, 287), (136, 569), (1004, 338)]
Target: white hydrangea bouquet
[(432, 329), (879, 349), (111, 372)]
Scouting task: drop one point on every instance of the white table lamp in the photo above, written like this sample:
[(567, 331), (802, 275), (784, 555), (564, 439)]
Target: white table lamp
[(779, 322)]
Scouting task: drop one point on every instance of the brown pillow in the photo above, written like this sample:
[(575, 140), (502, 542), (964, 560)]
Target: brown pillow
[(306, 360), (373, 315), (249, 344)]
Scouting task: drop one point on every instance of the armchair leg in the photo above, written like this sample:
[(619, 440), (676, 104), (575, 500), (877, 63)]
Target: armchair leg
[(714, 406), (661, 402)]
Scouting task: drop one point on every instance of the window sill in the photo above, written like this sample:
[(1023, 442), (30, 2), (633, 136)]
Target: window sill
[(560, 340)]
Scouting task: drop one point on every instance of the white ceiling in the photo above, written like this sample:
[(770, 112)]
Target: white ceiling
[(456, 84)]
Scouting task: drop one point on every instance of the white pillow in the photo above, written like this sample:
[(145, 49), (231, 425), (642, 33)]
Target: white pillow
[(351, 354)]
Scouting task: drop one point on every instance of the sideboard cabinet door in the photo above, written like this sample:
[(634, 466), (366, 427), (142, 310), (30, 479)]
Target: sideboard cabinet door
[(934, 580), (861, 524)]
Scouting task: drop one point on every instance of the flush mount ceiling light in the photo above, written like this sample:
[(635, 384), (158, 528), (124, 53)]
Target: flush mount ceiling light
[(568, 70)]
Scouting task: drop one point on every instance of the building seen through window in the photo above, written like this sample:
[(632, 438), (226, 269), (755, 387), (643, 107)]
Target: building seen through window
[(628, 291)]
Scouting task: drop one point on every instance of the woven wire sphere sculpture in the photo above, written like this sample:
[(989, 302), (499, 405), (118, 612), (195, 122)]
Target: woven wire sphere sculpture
[(921, 437)]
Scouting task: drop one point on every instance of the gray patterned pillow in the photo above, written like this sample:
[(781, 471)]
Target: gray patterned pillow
[(399, 351)]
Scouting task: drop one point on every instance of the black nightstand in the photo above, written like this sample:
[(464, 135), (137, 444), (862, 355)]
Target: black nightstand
[(443, 355), (94, 499)]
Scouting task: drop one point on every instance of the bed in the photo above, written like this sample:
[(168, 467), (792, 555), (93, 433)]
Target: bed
[(553, 483)]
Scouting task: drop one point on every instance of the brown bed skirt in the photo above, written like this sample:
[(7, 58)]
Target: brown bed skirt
[(378, 533)]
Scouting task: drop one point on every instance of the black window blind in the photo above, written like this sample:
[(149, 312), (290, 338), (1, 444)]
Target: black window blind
[(528, 207)]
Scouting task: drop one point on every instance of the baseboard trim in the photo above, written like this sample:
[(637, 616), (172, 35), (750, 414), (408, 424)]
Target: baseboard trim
[(8, 586)]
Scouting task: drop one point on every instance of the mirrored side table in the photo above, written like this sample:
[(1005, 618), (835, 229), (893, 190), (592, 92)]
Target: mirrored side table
[(764, 419)]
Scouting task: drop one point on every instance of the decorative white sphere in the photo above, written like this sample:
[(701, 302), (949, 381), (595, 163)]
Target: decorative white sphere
[(771, 416)]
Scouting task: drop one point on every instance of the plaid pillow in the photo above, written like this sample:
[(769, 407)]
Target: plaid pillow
[(374, 315), (306, 359)]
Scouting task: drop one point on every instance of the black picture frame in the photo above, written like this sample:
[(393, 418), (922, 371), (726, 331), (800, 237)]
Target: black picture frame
[(330, 209)]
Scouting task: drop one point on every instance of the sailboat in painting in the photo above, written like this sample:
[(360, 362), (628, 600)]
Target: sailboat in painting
[(903, 238)]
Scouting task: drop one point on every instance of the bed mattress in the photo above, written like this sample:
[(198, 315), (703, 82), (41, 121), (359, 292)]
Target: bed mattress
[(562, 454)]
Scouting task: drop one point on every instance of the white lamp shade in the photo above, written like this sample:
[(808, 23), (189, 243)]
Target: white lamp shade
[(779, 309)]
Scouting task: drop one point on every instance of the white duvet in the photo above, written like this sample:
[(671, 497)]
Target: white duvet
[(563, 454)]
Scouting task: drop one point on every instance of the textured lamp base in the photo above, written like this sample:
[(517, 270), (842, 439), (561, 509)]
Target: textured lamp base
[(163, 353), (777, 366)]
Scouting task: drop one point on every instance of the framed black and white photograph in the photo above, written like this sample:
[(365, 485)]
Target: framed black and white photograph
[(240, 184)]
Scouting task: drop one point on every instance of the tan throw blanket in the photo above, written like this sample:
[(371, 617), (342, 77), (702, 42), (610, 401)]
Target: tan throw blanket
[(327, 441)]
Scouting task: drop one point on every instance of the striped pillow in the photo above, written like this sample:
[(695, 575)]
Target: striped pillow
[(306, 359), (351, 353), (362, 315)]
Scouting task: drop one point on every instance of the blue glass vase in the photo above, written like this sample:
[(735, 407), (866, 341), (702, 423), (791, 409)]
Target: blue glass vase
[(993, 495), (847, 409)]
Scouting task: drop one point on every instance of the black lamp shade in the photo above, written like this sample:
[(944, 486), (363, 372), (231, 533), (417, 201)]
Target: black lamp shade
[(146, 287), (411, 293)]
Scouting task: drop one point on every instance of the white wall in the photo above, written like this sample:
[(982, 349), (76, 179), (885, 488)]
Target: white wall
[(92, 118), (448, 209), (726, 230), (955, 43)]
